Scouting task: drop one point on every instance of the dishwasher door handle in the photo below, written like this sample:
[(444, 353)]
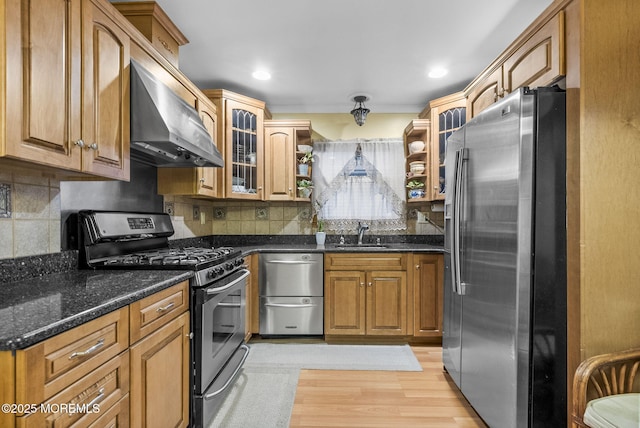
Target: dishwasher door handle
[(292, 262), (291, 305)]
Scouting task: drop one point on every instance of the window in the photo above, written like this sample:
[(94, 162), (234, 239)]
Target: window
[(360, 181)]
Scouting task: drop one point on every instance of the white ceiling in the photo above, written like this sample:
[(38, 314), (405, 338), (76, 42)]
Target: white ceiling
[(321, 53)]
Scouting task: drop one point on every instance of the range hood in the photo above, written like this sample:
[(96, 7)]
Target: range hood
[(165, 130)]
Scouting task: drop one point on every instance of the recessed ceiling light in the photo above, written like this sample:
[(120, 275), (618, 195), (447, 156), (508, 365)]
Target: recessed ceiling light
[(261, 75), (437, 73)]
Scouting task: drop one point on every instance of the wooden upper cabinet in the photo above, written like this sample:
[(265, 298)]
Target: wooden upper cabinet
[(207, 176), (106, 95), (418, 130), (448, 114), (66, 74), (197, 181), (279, 163), (484, 92), (536, 58), (540, 60), (241, 142), (43, 69), (281, 138)]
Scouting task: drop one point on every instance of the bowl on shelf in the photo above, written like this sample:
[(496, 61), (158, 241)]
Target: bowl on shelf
[(304, 148), (417, 167), (416, 146)]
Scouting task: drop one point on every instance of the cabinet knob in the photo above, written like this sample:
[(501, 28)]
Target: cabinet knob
[(362, 284), (202, 180), (370, 284), (93, 146), (417, 266), (79, 143)]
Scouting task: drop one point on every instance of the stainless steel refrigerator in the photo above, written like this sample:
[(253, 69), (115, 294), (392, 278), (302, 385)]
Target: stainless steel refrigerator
[(504, 333)]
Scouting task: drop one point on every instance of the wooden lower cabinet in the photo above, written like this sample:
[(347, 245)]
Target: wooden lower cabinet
[(252, 298), (344, 302), (50, 366), (90, 375), (427, 276), (87, 401), (363, 300), (160, 376)]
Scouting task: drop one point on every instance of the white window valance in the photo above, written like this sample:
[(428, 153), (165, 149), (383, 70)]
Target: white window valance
[(360, 181)]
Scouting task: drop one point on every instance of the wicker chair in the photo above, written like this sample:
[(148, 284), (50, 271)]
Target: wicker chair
[(601, 376)]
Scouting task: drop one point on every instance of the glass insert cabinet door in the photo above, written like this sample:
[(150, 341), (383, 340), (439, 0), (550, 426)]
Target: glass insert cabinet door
[(448, 122), (245, 151)]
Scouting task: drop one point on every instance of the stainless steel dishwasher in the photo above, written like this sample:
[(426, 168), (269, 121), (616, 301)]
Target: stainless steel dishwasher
[(291, 294)]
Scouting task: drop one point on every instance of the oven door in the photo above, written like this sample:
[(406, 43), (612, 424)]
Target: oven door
[(219, 326)]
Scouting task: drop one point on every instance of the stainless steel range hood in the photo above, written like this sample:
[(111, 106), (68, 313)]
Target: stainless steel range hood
[(165, 130)]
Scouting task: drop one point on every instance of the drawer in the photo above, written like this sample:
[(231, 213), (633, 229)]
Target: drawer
[(150, 313), (85, 401), (365, 261), (52, 365), (116, 416)]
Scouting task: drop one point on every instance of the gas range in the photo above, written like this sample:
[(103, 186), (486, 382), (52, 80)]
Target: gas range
[(129, 240)]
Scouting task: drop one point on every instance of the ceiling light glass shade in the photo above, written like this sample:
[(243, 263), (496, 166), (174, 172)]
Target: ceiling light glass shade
[(359, 111), (436, 73), (261, 75)]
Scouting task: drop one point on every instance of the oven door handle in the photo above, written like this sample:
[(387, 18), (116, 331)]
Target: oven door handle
[(229, 285), (211, 395)]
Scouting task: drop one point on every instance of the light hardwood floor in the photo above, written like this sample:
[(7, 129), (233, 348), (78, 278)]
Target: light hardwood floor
[(333, 398)]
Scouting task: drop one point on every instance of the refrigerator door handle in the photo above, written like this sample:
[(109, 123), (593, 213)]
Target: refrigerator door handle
[(462, 156)]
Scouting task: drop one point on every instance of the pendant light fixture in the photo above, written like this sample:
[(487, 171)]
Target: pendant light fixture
[(359, 111)]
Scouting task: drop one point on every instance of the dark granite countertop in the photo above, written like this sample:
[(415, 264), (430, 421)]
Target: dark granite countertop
[(35, 309), (45, 295), (350, 248)]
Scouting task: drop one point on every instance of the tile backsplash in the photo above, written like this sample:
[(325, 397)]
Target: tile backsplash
[(33, 226), (238, 217)]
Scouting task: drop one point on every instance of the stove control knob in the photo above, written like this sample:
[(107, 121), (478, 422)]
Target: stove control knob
[(239, 262), (215, 272), (228, 266)]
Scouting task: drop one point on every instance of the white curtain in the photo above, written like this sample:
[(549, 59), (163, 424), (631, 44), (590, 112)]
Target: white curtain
[(360, 181)]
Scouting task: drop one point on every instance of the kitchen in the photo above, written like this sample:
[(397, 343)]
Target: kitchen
[(598, 244)]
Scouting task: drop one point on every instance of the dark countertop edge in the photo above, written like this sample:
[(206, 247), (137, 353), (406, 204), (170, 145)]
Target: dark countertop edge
[(50, 330), (331, 248)]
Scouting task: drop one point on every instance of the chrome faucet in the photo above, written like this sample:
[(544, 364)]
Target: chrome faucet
[(361, 229)]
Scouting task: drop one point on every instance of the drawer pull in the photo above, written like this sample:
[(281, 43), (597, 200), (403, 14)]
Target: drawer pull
[(165, 308), (98, 398), (91, 350)]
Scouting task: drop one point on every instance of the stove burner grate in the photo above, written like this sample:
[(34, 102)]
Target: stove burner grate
[(189, 256)]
